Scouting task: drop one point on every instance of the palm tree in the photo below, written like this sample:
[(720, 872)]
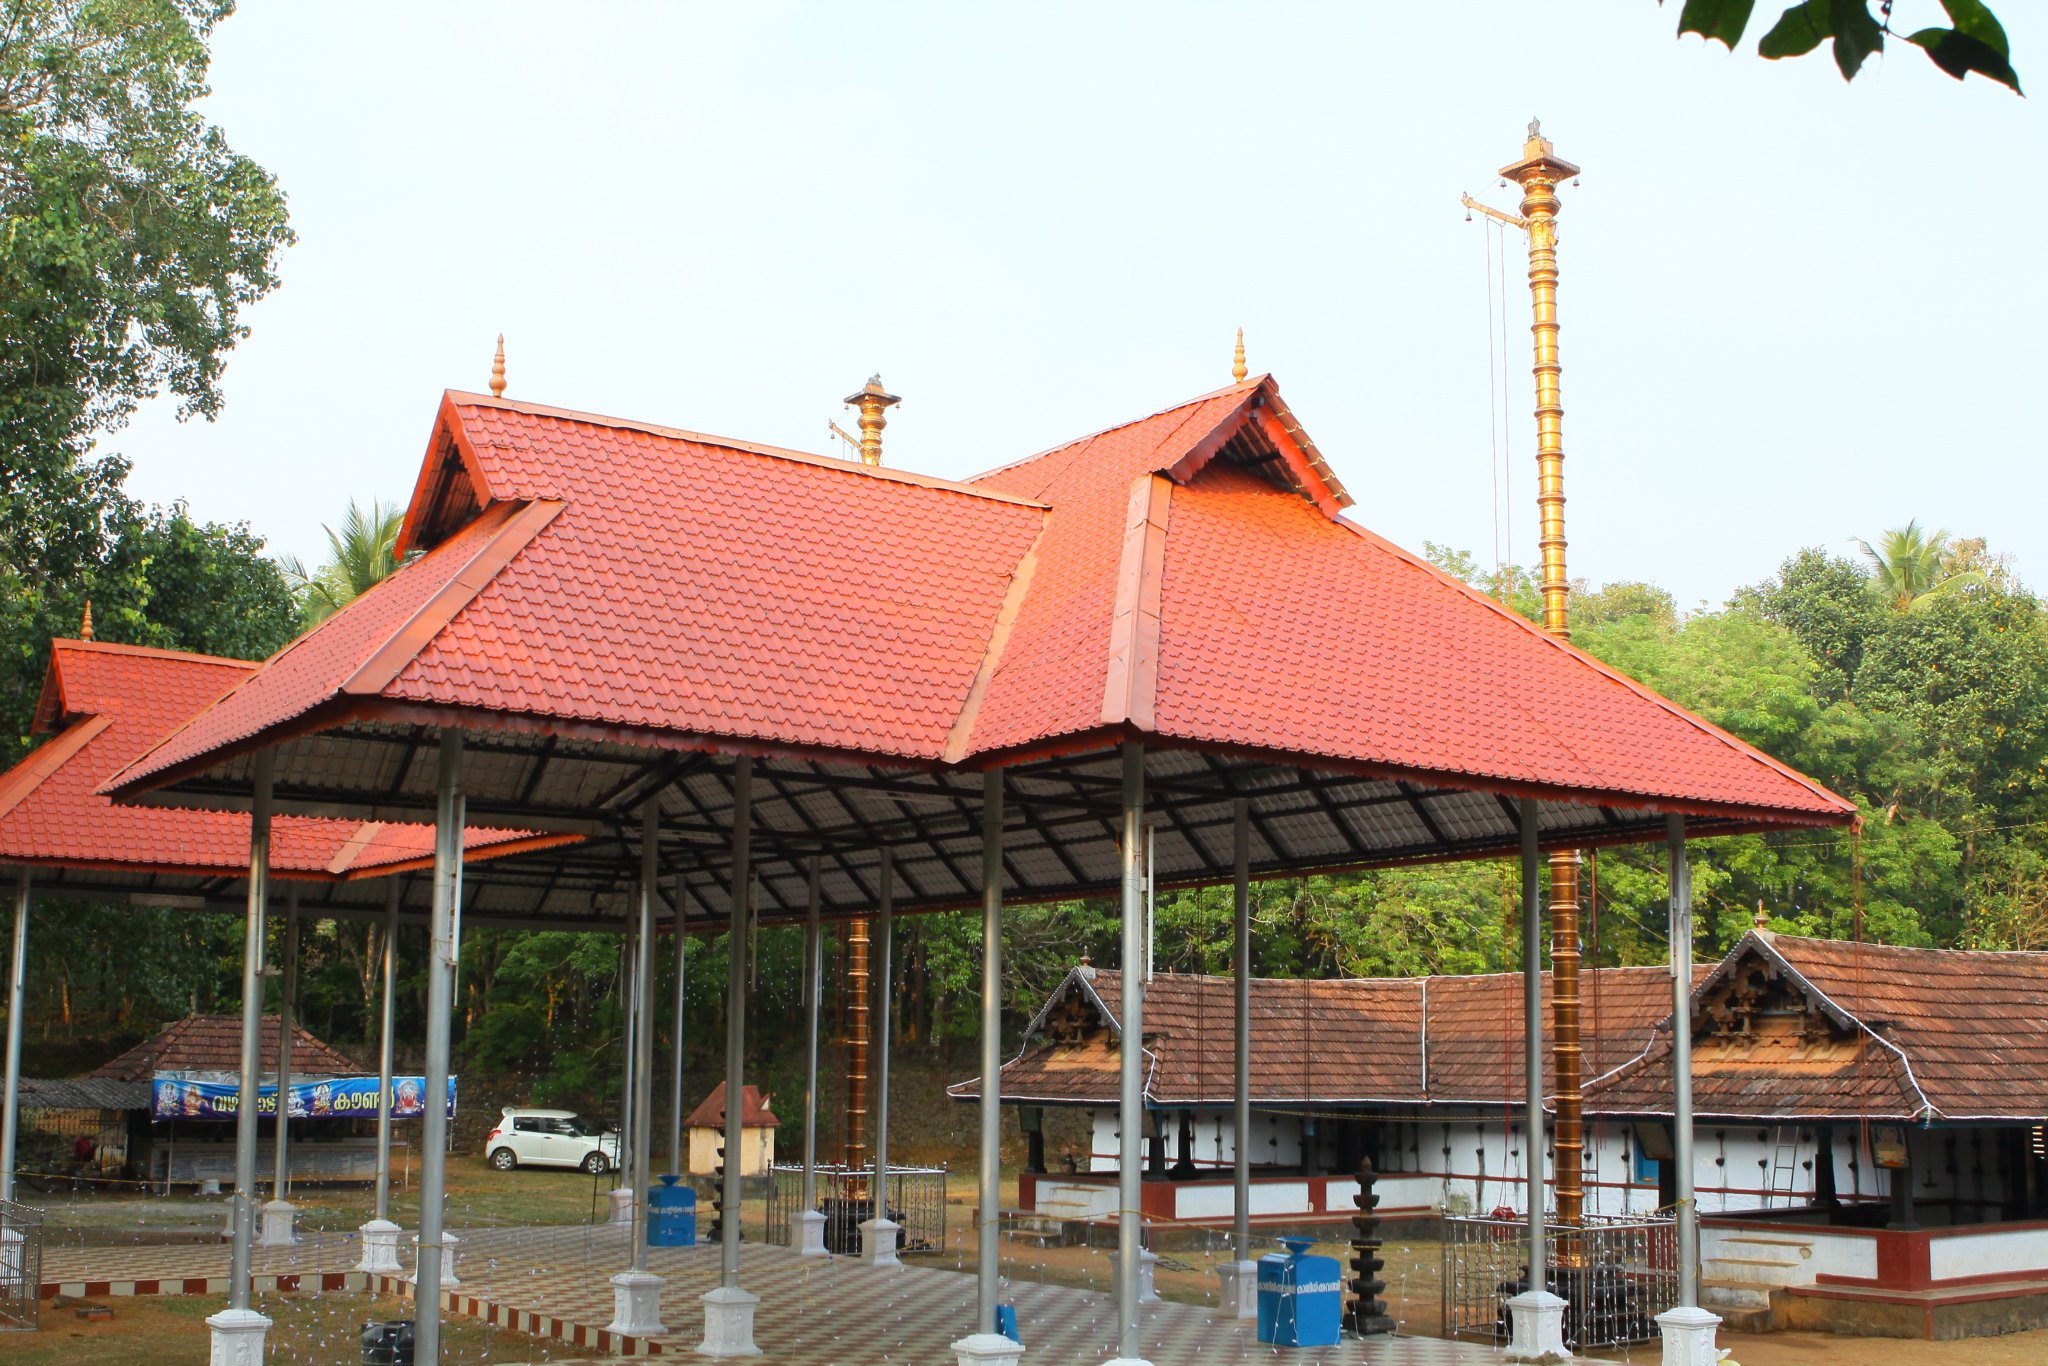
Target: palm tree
[(1909, 567), (359, 558)]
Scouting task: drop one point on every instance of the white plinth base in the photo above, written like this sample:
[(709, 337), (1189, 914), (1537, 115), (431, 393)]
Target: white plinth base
[(449, 1244), (237, 1337), (636, 1304), (729, 1323), (1536, 1327), (878, 1242), (1240, 1289), (1689, 1336), (277, 1230), (1148, 1263), (1127, 1361), (622, 1205), (380, 1249), (987, 1349), (209, 1187), (807, 1233)]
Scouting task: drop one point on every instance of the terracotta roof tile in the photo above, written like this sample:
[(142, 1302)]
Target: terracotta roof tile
[(754, 1111), (113, 702), (213, 1043), (1190, 581)]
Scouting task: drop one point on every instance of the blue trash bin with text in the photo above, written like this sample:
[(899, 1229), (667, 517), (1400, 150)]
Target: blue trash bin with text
[(1301, 1298), (671, 1215)]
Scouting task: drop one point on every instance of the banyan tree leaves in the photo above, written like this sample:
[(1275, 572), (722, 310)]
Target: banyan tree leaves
[(1975, 41)]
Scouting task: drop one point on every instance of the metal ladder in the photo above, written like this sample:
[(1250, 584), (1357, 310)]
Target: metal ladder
[(1784, 1166)]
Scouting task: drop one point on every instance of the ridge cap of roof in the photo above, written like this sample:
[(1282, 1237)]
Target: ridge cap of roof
[(1245, 385), (1742, 747), (464, 398), (112, 647)]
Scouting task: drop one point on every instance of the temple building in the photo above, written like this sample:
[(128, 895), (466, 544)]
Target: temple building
[(1868, 1118)]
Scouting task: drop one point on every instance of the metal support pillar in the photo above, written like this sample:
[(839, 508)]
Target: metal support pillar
[(17, 984), (278, 1215), (1131, 1058), (677, 1158), (1536, 1317), (252, 1032), (1240, 1275), (237, 1332), (630, 1086), (445, 952), (878, 1234), (380, 1235), (1688, 1329), (729, 1310), (807, 1225), (984, 1344), (636, 1292)]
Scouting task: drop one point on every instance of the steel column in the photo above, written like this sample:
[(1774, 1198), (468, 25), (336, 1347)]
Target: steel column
[(441, 963), (1241, 1226), (252, 1028), (287, 1016), (885, 929), (1532, 1040), (629, 990), (385, 1018), (988, 1266), (643, 1030), (814, 987), (1687, 1215), (676, 1156), (736, 1016), (17, 982), (1130, 1057)]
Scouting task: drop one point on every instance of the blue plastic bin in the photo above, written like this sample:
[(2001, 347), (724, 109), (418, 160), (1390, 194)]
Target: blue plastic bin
[(671, 1215), (1301, 1298)]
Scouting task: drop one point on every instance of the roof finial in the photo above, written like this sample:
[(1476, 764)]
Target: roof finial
[(872, 399), (498, 369), (85, 627), (1763, 918), (1237, 366)]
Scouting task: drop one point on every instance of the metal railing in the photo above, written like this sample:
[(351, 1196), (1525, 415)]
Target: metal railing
[(917, 1201), (1614, 1274), (21, 1267)]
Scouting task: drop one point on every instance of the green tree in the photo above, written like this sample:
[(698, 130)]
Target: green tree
[(361, 556), (1911, 568), (1973, 41)]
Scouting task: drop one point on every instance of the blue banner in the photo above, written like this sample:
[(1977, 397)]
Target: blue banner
[(330, 1098)]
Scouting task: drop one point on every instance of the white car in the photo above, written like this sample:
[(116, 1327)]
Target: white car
[(549, 1138)]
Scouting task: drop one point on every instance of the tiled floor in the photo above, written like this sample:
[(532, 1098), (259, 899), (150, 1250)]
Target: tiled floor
[(825, 1312)]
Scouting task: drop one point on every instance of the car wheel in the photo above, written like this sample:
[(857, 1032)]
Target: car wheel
[(596, 1163), (504, 1159)]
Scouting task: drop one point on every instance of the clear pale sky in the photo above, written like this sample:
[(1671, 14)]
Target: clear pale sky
[(1795, 311)]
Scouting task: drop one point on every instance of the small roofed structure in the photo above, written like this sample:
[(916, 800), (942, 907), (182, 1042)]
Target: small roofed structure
[(757, 1129), (213, 1044)]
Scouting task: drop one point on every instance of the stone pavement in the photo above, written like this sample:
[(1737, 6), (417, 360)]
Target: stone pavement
[(553, 1282)]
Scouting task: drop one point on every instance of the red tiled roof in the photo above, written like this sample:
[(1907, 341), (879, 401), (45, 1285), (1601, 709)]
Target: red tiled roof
[(1352, 1041), (213, 1043), (1191, 581), (1922, 1034), (112, 703), (754, 1111)]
